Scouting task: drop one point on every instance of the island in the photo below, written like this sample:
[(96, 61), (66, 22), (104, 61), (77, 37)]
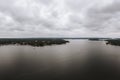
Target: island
[(94, 39), (32, 41)]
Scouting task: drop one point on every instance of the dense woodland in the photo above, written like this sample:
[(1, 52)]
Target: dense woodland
[(32, 41), (113, 42)]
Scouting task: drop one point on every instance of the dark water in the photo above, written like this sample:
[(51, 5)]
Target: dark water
[(77, 60)]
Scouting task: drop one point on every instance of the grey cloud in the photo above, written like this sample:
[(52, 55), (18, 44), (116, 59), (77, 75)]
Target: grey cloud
[(98, 17), (45, 1), (16, 29), (75, 19), (112, 8), (28, 18)]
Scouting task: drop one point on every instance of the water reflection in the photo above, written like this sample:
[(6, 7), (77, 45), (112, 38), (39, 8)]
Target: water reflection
[(77, 60)]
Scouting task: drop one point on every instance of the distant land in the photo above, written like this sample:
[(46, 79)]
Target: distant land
[(51, 41)]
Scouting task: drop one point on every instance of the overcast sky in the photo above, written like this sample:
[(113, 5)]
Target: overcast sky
[(59, 18)]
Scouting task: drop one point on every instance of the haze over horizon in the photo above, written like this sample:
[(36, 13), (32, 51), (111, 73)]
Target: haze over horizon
[(59, 18)]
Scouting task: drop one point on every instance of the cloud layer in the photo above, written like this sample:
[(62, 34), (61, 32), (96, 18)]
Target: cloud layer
[(59, 18)]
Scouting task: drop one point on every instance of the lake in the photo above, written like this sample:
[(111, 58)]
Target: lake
[(79, 59)]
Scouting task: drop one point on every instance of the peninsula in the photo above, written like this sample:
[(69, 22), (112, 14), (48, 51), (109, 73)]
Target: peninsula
[(32, 41)]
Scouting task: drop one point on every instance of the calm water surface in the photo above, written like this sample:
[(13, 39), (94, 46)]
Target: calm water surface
[(79, 59)]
